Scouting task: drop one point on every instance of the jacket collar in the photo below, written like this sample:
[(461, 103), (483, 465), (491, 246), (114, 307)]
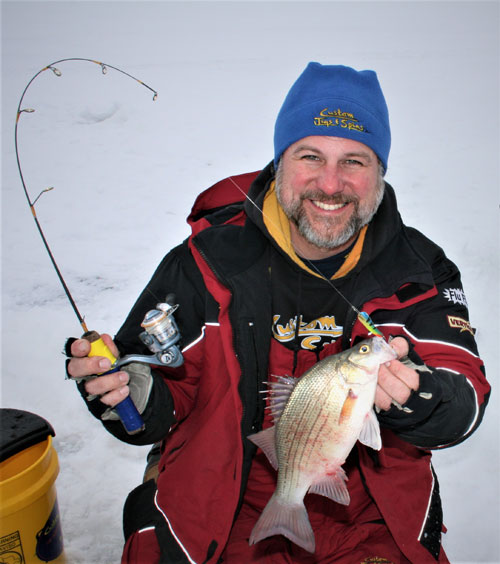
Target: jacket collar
[(384, 227), (386, 238)]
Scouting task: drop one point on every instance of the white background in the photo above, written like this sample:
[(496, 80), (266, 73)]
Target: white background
[(126, 171)]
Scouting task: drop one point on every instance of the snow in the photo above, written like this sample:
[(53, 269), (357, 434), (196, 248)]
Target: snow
[(126, 170)]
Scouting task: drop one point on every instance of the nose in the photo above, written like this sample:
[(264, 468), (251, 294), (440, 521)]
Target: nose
[(330, 179)]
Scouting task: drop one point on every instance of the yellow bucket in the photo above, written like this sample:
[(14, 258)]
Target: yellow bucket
[(30, 528)]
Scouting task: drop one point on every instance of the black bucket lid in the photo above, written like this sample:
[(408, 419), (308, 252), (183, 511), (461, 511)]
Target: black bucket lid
[(20, 430)]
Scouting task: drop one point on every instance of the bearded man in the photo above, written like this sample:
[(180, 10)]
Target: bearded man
[(272, 279)]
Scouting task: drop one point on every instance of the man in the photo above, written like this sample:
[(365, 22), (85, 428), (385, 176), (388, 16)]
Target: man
[(268, 285)]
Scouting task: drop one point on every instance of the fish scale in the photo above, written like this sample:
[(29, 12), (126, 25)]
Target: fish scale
[(313, 424), (309, 417)]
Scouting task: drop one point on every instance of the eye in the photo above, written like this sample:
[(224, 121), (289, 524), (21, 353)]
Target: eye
[(353, 162), (364, 349), (310, 157)]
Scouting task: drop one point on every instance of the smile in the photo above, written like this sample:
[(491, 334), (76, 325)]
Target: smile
[(328, 207)]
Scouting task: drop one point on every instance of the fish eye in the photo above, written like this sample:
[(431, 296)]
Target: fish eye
[(364, 349)]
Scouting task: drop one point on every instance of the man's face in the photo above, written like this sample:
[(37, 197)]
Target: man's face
[(329, 187)]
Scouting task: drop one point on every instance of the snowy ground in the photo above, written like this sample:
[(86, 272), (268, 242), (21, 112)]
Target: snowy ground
[(126, 170)]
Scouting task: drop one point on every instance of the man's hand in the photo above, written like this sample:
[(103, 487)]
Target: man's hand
[(112, 387), (395, 380)]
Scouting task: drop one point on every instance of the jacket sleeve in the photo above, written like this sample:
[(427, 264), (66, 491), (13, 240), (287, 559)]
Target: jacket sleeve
[(453, 393), (174, 389)]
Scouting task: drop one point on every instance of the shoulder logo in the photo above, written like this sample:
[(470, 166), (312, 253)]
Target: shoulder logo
[(338, 118), (456, 296), (460, 323)]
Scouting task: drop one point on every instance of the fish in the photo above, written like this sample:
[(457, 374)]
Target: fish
[(317, 420)]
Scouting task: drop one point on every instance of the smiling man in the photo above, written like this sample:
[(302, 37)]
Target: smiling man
[(268, 285), (329, 188)]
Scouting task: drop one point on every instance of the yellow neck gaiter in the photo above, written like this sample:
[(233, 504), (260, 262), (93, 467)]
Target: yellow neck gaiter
[(278, 226)]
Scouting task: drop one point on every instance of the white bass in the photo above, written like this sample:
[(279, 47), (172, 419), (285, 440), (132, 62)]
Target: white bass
[(317, 420)]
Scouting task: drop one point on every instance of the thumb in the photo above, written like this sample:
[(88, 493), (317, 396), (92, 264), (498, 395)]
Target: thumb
[(400, 346)]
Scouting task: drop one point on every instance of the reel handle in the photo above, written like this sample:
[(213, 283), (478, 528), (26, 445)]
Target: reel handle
[(129, 416)]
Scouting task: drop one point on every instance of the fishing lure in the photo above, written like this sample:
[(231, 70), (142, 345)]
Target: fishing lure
[(367, 322)]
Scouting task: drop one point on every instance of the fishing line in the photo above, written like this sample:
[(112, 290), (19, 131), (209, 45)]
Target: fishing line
[(362, 316)]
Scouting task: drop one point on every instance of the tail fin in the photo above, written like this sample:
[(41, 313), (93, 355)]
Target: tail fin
[(280, 518)]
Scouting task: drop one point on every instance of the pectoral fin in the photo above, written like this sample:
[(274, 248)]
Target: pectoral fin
[(349, 403), (370, 432)]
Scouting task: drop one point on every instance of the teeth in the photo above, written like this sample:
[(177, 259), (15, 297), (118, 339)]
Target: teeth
[(328, 207)]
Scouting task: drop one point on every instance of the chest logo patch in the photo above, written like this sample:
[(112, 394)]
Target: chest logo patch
[(312, 335)]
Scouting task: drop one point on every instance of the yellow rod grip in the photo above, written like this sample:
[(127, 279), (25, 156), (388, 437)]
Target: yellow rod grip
[(97, 346)]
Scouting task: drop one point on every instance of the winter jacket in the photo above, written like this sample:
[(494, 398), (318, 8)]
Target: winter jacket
[(223, 280)]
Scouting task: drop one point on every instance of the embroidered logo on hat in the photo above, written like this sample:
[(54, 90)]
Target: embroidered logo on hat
[(338, 118)]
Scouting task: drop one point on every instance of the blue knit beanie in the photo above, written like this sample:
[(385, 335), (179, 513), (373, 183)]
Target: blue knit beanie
[(337, 101)]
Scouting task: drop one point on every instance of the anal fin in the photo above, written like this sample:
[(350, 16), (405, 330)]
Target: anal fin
[(333, 486)]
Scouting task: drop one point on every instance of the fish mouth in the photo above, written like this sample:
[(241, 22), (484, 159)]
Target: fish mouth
[(362, 367)]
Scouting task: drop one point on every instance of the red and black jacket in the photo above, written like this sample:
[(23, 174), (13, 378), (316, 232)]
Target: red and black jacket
[(204, 410)]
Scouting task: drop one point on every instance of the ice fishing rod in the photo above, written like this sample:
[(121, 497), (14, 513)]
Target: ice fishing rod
[(20, 111), (362, 316), (161, 332)]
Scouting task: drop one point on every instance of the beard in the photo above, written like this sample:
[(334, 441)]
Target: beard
[(329, 233)]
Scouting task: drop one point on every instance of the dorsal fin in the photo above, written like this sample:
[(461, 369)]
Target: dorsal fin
[(278, 394)]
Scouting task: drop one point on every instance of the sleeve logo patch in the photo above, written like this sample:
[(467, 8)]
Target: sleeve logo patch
[(460, 323), (456, 296)]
